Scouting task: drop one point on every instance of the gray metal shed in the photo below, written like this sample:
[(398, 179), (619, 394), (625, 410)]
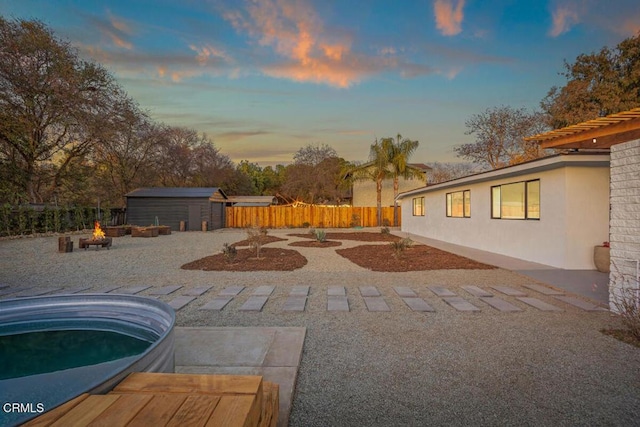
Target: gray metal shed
[(171, 205)]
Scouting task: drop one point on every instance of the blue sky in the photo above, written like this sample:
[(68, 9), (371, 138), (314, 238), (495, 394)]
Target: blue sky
[(263, 78)]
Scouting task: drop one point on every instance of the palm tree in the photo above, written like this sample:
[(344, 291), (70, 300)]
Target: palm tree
[(398, 157)]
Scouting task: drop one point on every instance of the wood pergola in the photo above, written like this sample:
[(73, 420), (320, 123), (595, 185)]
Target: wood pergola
[(602, 132)]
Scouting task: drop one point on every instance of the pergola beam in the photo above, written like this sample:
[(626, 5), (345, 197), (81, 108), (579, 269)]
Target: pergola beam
[(602, 132)]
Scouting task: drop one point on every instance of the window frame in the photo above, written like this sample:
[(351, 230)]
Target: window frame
[(415, 205), (526, 207), (466, 204)]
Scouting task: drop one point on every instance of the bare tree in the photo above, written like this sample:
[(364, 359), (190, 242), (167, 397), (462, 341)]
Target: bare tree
[(314, 154), (500, 133)]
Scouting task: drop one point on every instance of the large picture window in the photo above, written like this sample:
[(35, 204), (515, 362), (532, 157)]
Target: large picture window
[(519, 200), (418, 206), (459, 204)]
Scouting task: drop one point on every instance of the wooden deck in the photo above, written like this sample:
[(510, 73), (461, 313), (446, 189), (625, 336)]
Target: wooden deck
[(154, 399)]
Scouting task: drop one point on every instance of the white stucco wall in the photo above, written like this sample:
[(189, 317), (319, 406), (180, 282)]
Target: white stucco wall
[(625, 218), (574, 216)]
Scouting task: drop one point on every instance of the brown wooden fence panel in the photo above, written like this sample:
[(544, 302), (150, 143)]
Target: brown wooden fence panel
[(307, 216)]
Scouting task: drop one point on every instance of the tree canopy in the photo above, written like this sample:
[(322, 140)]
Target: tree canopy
[(598, 84)]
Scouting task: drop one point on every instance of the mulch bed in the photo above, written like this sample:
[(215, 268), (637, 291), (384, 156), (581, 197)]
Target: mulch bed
[(415, 258), (316, 244), (265, 240), (357, 236), (271, 259)]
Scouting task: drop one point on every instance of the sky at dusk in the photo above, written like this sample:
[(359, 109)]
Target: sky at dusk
[(263, 78)]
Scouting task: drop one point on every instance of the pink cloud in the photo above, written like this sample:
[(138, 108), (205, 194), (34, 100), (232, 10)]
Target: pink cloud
[(297, 35), (448, 18), (564, 17)]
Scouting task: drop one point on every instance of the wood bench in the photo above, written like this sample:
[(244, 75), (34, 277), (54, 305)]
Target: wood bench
[(158, 399)]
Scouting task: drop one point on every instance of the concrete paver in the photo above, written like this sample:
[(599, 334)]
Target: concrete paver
[(509, 291), (197, 291), (178, 302), (299, 291), (376, 304), (336, 291), (231, 291), (460, 304), (106, 289), (500, 304), (295, 303), (254, 303), (539, 304), (337, 303), (165, 290), (264, 290), (132, 290), (217, 303), (441, 291), (405, 292), (417, 304), (369, 291), (476, 291)]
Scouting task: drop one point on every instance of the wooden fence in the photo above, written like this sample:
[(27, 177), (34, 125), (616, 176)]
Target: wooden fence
[(307, 216)]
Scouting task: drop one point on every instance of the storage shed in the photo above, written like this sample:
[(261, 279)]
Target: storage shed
[(171, 205)]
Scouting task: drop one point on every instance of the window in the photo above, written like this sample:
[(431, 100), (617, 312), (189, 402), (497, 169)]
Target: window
[(418, 206), (459, 204), (519, 200)]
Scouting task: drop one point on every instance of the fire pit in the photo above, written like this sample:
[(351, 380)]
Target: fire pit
[(98, 239)]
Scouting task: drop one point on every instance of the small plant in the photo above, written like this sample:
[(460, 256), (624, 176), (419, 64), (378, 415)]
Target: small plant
[(230, 252), (321, 236), (256, 237), (400, 246), (385, 230), (306, 224)]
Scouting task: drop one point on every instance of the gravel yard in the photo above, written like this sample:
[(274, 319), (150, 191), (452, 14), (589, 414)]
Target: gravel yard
[(399, 367)]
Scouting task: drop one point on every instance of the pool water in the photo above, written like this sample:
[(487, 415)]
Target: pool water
[(33, 353)]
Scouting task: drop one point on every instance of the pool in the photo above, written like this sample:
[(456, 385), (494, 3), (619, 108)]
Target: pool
[(142, 328)]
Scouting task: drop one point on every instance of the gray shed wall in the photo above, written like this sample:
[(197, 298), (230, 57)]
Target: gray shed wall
[(171, 210)]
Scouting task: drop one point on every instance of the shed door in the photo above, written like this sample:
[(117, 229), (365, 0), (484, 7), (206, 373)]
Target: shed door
[(195, 218)]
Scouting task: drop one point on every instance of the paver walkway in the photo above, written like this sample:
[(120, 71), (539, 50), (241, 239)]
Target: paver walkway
[(419, 298)]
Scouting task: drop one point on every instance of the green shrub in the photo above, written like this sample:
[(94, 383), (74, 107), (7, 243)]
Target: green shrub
[(385, 230), (321, 235)]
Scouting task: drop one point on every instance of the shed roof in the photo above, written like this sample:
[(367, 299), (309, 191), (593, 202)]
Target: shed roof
[(177, 192), (602, 132)]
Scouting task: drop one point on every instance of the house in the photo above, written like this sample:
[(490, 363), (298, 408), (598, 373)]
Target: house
[(620, 133), (173, 205), (551, 211), (249, 201), (364, 192)]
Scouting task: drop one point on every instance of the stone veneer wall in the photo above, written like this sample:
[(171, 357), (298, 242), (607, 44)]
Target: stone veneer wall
[(624, 223)]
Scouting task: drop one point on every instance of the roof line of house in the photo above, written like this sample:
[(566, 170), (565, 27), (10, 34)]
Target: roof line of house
[(538, 165)]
